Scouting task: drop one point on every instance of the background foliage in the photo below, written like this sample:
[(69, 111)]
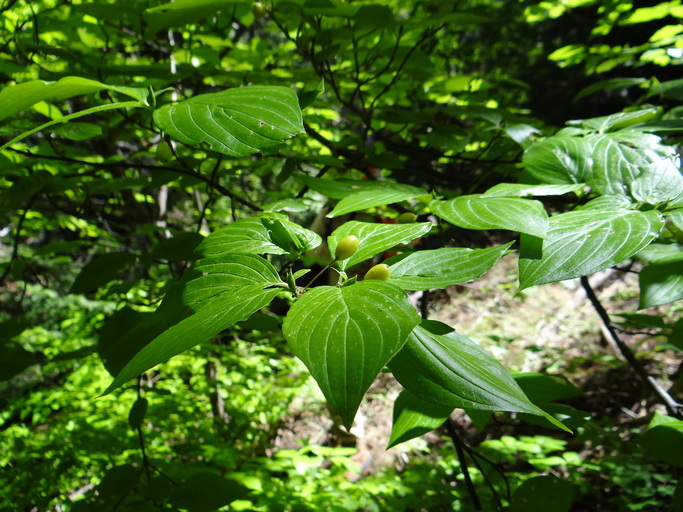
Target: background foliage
[(173, 175)]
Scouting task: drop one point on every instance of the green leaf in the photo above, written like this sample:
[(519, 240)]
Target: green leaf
[(442, 366), (522, 190), (665, 442), (339, 189), (539, 387), (536, 494), (414, 417), (483, 212), (620, 120), (345, 336), (137, 413), (375, 238), (206, 491), (235, 122), (101, 270), (251, 236), (14, 359), (183, 12), (389, 193), (582, 242), (15, 98), (660, 284), (620, 157), (559, 160), (660, 182), (75, 115), (214, 294), (440, 268)]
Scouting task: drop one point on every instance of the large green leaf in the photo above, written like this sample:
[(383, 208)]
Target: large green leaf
[(252, 236), (442, 366), (389, 193), (414, 417), (581, 242), (375, 238), (440, 268), (483, 212), (345, 336), (214, 294), (620, 157), (18, 97), (235, 122), (559, 159)]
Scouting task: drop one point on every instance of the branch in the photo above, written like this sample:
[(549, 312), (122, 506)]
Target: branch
[(457, 442), (672, 406)]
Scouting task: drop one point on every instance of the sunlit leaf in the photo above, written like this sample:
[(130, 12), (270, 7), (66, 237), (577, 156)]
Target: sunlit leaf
[(375, 238), (582, 242), (484, 212), (345, 336), (235, 122), (214, 294), (440, 268)]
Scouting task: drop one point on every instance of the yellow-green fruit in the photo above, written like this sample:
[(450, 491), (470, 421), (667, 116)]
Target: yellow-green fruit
[(379, 272), (258, 10), (407, 218), (346, 247), (164, 152)]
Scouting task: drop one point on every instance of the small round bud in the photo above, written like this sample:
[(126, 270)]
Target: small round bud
[(258, 10)]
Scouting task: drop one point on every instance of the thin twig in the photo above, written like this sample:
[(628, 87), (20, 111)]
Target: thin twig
[(672, 406), (457, 442)]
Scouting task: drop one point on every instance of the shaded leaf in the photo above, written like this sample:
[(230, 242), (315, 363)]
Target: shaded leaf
[(101, 270), (661, 284), (206, 491), (345, 336), (665, 442), (535, 494), (236, 122), (414, 417), (442, 366)]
